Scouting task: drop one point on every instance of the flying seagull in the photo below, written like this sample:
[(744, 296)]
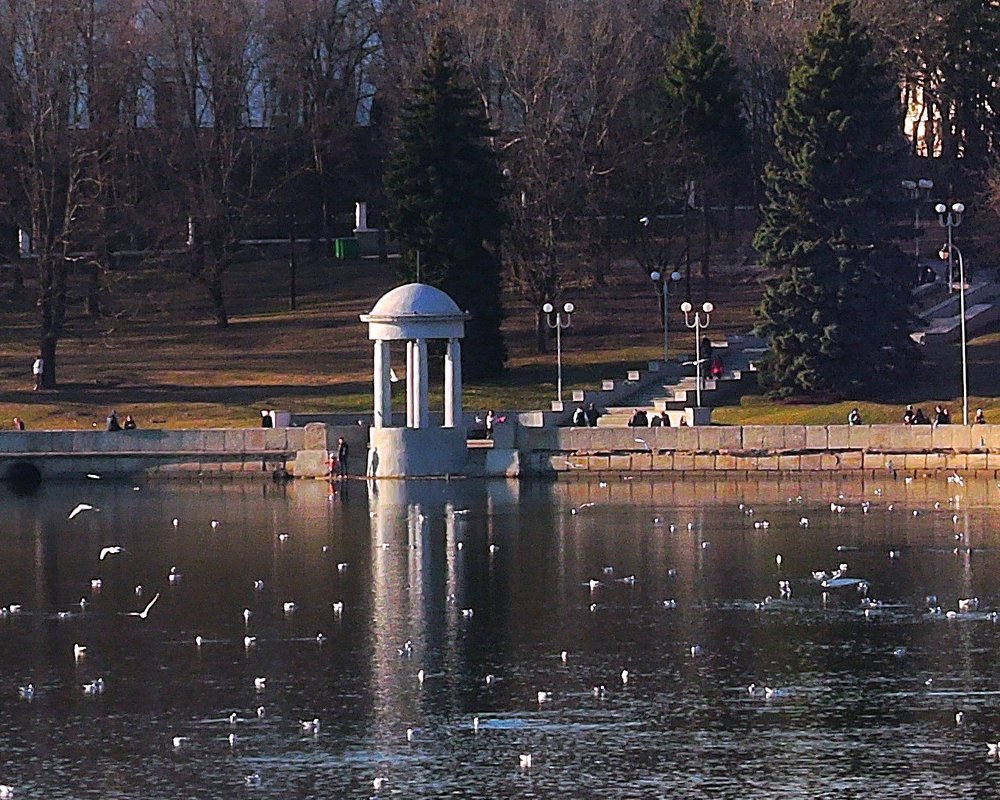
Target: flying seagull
[(111, 551), (145, 612), (81, 508)]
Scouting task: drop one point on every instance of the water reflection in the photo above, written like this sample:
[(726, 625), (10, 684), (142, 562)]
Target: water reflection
[(496, 579)]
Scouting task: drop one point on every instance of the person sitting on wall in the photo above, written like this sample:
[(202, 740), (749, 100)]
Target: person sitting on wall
[(592, 415), (19, 423), (684, 422), (854, 418), (266, 420), (941, 416), (129, 423), (980, 417), (579, 417), (909, 417), (920, 418), (656, 421), (638, 419), (112, 422)]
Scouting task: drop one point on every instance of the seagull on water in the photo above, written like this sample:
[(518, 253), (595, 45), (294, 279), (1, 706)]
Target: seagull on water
[(581, 507), (289, 608), (260, 684), (310, 726), (94, 687), (113, 550), (81, 508), (180, 741), (6, 792), (27, 692), (174, 576), (79, 651), (145, 612)]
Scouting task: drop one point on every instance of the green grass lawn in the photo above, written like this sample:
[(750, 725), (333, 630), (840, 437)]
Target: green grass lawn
[(156, 355)]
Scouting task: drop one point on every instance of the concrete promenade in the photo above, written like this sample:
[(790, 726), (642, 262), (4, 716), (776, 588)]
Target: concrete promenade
[(518, 451)]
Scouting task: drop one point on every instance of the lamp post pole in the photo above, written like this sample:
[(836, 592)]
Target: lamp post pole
[(697, 326), (950, 218), (664, 280), (918, 190), (558, 321), (961, 307)]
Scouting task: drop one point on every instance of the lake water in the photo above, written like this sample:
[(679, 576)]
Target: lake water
[(849, 713)]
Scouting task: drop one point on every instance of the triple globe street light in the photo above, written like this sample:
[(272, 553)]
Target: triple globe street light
[(559, 319), (950, 217), (697, 326), (664, 280)]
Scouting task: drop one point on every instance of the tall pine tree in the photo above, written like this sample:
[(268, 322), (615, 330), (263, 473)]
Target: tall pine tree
[(702, 116), (444, 186), (837, 313)]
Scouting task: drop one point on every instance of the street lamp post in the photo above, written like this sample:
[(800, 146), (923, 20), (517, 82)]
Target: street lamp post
[(664, 280), (945, 253), (697, 326), (558, 321), (950, 218), (918, 190)]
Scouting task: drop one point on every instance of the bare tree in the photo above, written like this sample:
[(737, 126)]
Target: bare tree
[(212, 128), (318, 57), (59, 89)]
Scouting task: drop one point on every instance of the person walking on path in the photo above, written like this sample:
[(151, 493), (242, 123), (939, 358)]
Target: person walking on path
[(343, 451), (37, 369)]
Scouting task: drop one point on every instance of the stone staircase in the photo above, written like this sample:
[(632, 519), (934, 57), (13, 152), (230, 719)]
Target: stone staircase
[(940, 313), (678, 388)]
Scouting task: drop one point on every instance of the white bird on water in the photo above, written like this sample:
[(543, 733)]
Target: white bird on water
[(6, 792), (289, 608), (79, 651), (525, 760), (145, 612), (173, 576), (310, 726), (180, 741), (81, 508), (113, 550), (260, 684)]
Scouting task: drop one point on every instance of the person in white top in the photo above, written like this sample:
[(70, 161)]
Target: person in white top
[(37, 369)]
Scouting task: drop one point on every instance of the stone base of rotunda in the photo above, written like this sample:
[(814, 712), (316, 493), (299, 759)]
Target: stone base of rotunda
[(416, 452)]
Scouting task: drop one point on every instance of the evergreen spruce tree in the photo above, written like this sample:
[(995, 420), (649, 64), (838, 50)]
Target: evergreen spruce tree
[(837, 314), (444, 186), (702, 115)]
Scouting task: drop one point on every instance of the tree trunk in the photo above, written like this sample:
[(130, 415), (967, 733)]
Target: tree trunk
[(47, 350), (541, 332), (92, 302), (214, 286), (706, 240)]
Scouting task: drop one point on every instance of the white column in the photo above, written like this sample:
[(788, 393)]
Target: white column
[(422, 406), (383, 385), (453, 384), (411, 384)]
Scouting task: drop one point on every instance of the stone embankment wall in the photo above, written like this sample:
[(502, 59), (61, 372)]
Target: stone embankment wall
[(749, 449), (179, 453)]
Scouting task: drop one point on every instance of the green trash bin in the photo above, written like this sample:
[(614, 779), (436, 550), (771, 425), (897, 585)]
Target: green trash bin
[(346, 249)]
